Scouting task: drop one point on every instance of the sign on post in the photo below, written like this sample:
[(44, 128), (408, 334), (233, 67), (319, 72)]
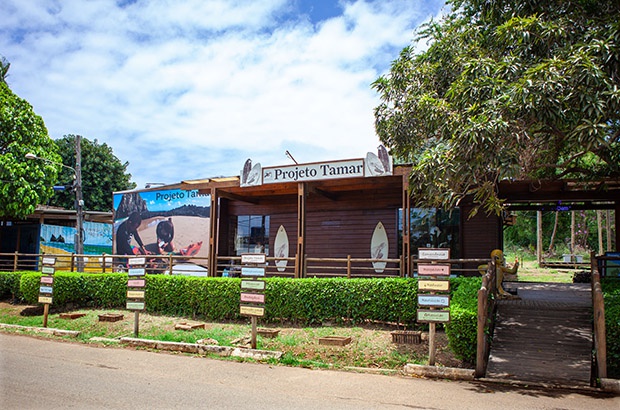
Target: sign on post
[(434, 277), (136, 289), (252, 296), (46, 288)]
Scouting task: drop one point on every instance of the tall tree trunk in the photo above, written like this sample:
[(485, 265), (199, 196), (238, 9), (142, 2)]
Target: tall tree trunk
[(572, 232), (599, 225), (539, 242), (608, 227), (555, 229)]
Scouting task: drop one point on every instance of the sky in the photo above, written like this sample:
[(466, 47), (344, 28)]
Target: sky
[(190, 89)]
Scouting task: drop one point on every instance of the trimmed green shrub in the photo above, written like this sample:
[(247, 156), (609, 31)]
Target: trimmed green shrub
[(9, 285), (462, 328), (611, 295), (308, 301)]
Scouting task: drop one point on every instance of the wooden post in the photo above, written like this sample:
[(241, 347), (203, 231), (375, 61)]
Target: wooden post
[(300, 270), (15, 259), (136, 323), (213, 225), (253, 342), (46, 311), (431, 344), (348, 266)]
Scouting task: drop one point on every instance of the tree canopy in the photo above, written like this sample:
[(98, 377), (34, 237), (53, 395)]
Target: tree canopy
[(102, 174), (506, 89), (25, 183)]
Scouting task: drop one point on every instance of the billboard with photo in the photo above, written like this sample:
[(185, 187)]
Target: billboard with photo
[(162, 222)]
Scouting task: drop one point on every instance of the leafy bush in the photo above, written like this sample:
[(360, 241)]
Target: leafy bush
[(462, 328), (611, 295), (304, 301), (9, 285)]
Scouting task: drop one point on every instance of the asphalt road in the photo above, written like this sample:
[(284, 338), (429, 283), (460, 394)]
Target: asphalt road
[(46, 374)]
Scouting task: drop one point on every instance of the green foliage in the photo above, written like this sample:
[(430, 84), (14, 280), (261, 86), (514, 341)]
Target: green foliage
[(505, 90), (102, 174), (9, 285), (305, 301), (462, 328), (25, 183), (522, 235), (611, 295)]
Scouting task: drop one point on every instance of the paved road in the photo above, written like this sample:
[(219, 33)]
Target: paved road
[(46, 374)]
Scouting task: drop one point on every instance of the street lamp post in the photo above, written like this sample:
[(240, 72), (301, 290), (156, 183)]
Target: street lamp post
[(79, 202)]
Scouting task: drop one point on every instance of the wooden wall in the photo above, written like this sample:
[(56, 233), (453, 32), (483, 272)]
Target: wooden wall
[(334, 228)]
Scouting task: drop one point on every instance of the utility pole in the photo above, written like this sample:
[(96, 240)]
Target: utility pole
[(79, 204)]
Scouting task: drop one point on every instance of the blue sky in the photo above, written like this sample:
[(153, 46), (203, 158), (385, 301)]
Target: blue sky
[(190, 89)]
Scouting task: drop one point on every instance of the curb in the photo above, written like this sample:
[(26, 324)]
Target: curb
[(224, 351), (44, 330), (451, 373)]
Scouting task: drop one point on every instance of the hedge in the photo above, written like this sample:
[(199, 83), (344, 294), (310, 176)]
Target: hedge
[(611, 295), (308, 301)]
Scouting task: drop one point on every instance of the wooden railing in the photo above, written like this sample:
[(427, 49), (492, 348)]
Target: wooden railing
[(178, 264), (598, 310), (486, 306)]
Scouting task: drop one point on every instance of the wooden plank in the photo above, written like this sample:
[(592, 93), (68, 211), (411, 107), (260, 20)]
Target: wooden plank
[(543, 338)]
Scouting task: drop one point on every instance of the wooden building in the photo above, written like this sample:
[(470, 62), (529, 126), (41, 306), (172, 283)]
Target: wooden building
[(334, 219)]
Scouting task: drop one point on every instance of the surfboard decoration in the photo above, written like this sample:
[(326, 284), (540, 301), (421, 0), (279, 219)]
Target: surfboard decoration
[(377, 165), (280, 249), (379, 247), (251, 175)]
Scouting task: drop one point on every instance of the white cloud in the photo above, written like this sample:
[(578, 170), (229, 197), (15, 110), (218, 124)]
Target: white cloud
[(190, 89)]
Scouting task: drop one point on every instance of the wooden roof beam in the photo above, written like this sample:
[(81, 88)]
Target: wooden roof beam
[(322, 192)]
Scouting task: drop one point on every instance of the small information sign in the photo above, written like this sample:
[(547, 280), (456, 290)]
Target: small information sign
[(254, 258), (433, 269), (252, 284), (48, 270), (136, 283), (135, 305), (48, 280), (49, 260), (434, 253), (135, 294), (434, 300), (136, 272), (45, 289), (252, 310), (433, 316), (45, 299), (253, 297), (252, 271), (136, 261), (434, 285)]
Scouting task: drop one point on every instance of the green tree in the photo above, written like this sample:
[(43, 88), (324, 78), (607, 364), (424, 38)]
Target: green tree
[(25, 183), (512, 89), (102, 174)]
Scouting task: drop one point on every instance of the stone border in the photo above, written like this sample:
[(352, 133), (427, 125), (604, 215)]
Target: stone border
[(45, 330), (196, 348)]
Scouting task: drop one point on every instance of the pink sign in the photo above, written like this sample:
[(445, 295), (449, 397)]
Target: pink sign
[(136, 283), (433, 269), (47, 279), (253, 297)]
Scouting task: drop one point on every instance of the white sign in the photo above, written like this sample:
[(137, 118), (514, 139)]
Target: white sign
[(315, 171), (433, 253), (256, 258), (136, 261)]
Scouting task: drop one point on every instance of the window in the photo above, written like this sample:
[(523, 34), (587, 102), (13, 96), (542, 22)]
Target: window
[(252, 234), (433, 228)]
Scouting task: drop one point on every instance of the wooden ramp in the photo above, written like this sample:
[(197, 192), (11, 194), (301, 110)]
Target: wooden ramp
[(546, 337)]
